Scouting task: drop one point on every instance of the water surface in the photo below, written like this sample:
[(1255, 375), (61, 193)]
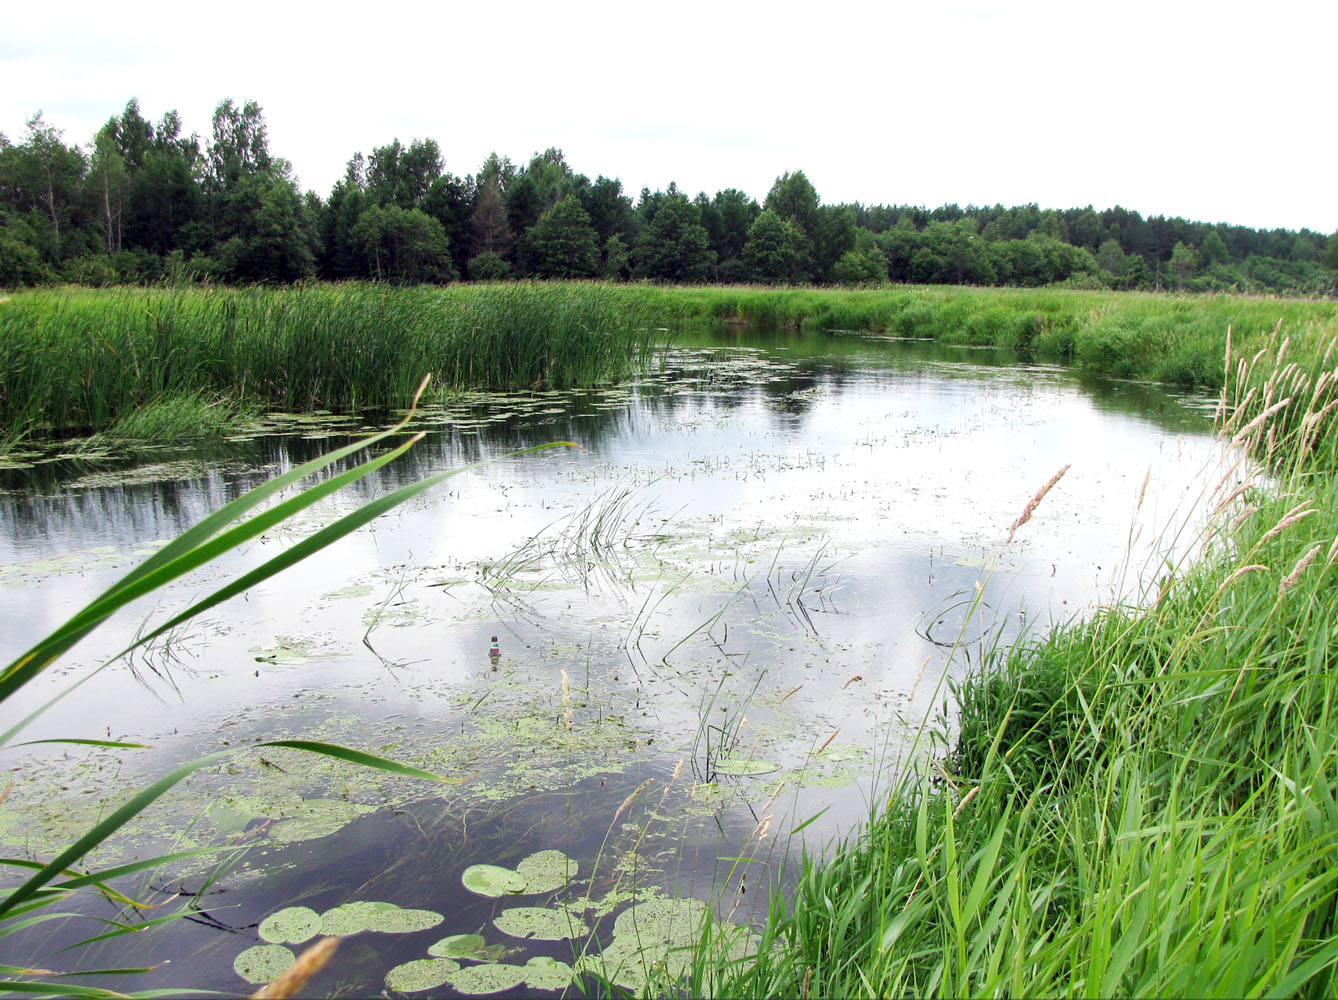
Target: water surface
[(767, 556)]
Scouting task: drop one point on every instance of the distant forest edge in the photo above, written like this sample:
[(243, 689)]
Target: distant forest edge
[(143, 203)]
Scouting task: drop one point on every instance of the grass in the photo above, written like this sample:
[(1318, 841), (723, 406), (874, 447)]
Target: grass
[(1142, 803), (82, 360), (79, 360)]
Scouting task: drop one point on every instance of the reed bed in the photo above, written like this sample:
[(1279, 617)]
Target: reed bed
[(75, 360), (1141, 803)]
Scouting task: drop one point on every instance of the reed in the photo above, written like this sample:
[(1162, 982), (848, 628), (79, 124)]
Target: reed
[(80, 360)]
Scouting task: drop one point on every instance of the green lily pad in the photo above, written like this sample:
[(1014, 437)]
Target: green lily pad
[(403, 921), (291, 926), (352, 918), (674, 922), (544, 973), (422, 974), (540, 923), (263, 962), (744, 766), (457, 946), (469, 947), (547, 871), (479, 980), (492, 880)]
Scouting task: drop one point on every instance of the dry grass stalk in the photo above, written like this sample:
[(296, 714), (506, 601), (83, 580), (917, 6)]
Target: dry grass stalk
[(310, 962), (1300, 511), (1035, 502), (628, 801), (1245, 431), (965, 799), (1143, 490), (1289, 581), (1244, 516), (1241, 571), (566, 698)]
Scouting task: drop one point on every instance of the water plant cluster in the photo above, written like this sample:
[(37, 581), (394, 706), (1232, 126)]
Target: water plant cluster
[(1141, 803)]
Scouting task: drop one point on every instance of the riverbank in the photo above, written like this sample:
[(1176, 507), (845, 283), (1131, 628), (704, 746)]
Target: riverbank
[(80, 360), (1143, 803)]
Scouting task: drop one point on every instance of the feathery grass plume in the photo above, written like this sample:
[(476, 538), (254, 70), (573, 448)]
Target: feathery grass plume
[(1035, 502), (566, 698), (1298, 513), (1243, 434), (290, 983), (1289, 581), (1241, 571)]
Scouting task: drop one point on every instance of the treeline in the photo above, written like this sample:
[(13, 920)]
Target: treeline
[(143, 203)]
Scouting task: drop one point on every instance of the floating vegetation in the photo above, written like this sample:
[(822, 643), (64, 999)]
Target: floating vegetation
[(481, 980), (291, 925), (263, 962), (547, 871), (379, 917), (285, 822), (421, 974), (492, 880), (540, 923), (467, 946)]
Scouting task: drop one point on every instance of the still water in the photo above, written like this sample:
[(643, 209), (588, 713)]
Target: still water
[(725, 612)]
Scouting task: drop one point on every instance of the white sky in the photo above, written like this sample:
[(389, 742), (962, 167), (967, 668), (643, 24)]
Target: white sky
[(1221, 112)]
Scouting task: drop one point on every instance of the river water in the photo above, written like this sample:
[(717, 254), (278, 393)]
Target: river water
[(725, 613)]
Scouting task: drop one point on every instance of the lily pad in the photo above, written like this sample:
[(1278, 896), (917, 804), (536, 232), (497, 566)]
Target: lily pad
[(263, 962), (674, 922), (423, 974), (467, 946), (744, 766), (291, 926), (479, 980), (352, 918), (547, 871), (492, 880), (540, 923), (544, 973), (403, 921)]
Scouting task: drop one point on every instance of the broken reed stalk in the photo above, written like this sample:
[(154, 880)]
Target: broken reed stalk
[(1035, 502), (310, 962)]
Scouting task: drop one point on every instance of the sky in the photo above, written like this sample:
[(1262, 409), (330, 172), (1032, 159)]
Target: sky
[(1217, 112)]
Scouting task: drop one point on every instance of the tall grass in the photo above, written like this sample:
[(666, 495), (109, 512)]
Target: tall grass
[(81, 359), (1144, 803)]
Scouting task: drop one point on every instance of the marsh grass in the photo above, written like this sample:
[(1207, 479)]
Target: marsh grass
[(1142, 803), (82, 360)]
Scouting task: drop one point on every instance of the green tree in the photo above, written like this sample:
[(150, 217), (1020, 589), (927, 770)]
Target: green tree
[(1184, 263), (402, 176), (617, 262), (488, 266), (403, 245), (1213, 250), (268, 241), (675, 246), (563, 243), (772, 254)]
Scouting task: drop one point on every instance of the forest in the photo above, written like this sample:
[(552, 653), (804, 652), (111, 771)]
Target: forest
[(143, 203)]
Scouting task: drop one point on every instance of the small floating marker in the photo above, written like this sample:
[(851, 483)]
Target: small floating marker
[(494, 652)]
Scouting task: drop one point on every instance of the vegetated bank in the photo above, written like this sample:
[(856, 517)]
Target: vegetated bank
[(1144, 803), (75, 360)]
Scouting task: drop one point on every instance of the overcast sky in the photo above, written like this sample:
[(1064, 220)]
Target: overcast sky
[(1221, 112)]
